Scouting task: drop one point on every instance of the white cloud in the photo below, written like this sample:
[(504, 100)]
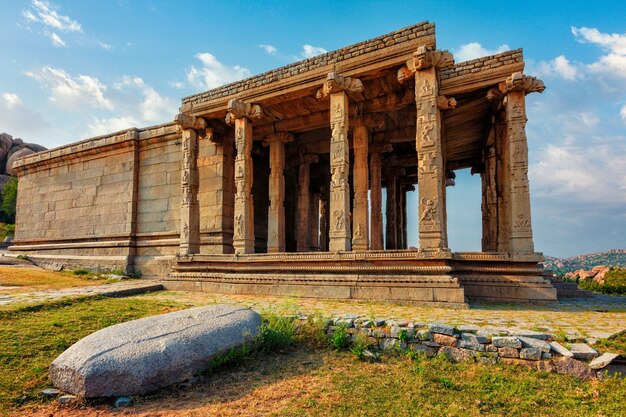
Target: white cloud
[(475, 50), (104, 46), (11, 100), (46, 13), (622, 112), (559, 66), (72, 92), (580, 174), (137, 104), (17, 119), (56, 39), (269, 49), (309, 51), (177, 85), (614, 42), (107, 125), (213, 73)]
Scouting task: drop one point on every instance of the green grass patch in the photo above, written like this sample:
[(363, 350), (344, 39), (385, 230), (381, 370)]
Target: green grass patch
[(614, 344), (32, 337)]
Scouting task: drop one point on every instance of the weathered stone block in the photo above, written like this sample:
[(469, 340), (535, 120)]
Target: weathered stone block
[(445, 340), (506, 341), (530, 353), (582, 351), (508, 352), (141, 356), (441, 328)]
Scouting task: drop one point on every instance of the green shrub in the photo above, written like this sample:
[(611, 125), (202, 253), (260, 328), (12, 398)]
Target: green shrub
[(276, 333), (9, 201), (81, 271), (341, 338)]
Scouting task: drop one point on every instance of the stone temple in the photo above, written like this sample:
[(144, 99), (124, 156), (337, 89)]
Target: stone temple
[(273, 185)]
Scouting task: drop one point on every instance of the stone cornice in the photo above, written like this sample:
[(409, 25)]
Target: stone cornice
[(91, 147)]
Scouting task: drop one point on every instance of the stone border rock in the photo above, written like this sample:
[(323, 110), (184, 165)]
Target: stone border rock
[(470, 343)]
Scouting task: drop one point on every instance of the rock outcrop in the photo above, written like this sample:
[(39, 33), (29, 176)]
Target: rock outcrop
[(144, 355), (11, 150), (597, 274)]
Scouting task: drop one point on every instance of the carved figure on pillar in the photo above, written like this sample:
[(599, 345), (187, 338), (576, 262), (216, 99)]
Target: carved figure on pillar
[(360, 206), (337, 88), (241, 115)]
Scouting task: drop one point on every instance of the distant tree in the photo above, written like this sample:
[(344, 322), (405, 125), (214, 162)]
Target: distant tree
[(9, 201)]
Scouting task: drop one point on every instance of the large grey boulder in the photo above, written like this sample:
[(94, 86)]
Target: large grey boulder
[(141, 356), (14, 157)]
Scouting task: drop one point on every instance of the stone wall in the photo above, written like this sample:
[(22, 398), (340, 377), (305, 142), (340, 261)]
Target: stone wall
[(108, 202)]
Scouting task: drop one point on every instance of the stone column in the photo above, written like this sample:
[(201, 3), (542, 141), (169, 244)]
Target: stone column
[(425, 66), (241, 114), (314, 228), (400, 194), (276, 212), (489, 204), (360, 206), (324, 223), (391, 214), (337, 88), (515, 89), (189, 211), (376, 196), (304, 201)]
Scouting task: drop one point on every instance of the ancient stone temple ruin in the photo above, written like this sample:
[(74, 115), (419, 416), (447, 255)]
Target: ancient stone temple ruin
[(274, 184)]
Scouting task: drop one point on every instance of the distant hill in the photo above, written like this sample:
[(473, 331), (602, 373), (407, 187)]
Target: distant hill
[(613, 257)]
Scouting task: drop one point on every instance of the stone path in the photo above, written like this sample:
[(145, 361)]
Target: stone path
[(596, 317), (118, 289)]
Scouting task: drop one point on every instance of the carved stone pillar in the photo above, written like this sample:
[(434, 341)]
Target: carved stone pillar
[(314, 228), (425, 65), (360, 206), (376, 196), (276, 212), (324, 223), (515, 89), (337, 88), (489, 205), (189, 210), (400, 213), (304, 201), (241, 114)]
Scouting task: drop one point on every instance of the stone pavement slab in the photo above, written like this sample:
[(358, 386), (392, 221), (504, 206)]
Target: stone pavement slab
[(118, 289)]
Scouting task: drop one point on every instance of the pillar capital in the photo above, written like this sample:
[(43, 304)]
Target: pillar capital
[(424, 58), (283, 137), (309, 158), (186, 121), (238, 109), (336, 83), (520, 82), (445, 103)]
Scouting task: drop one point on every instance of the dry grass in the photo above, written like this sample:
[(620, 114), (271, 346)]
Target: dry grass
[(307, 382), (21, 280)]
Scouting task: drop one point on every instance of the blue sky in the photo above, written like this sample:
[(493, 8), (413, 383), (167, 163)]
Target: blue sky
[(74, 69)]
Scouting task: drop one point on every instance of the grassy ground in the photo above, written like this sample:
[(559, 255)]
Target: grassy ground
[(30, 280), (303, 381), (615, 343), (31, 337)]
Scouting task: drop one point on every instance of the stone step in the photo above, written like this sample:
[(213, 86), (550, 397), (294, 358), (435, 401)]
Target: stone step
[(570, 290)]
